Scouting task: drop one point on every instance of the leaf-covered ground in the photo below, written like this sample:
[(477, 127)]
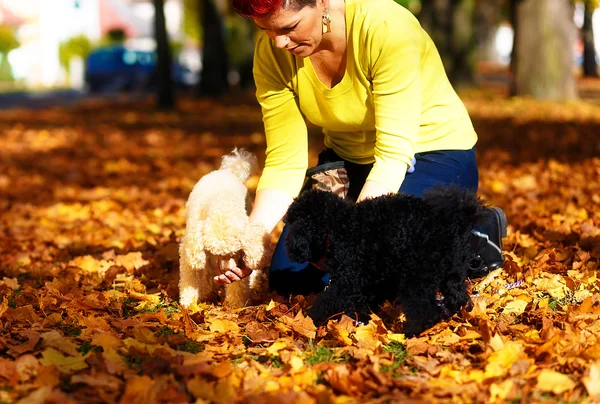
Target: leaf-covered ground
[(92, 208)]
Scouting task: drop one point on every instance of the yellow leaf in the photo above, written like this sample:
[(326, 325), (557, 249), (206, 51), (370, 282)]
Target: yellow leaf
[(401, 338), (91, 265), (110, 344), (532, 335), (272, 386), (277, 346), (144, 334), (139, 389), (153, 298), (516, 306), (496, 342), (224, 326), (449, 339), (131, 261), (23, 260), (551, 381), (271, 305), (55, 340), (296, 363), (12, 283), (471, 335), (65, 364), (3, 306), (500, 362), (591, 380), (341, 329), (553, 285), (498, 187), (367, 336), (302, 325), (500, 391)]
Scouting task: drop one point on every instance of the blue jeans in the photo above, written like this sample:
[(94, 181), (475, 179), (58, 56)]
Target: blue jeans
[(443, 167)]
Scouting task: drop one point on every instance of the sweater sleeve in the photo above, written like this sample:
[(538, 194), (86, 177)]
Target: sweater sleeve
[(285, 128), (395, 61)]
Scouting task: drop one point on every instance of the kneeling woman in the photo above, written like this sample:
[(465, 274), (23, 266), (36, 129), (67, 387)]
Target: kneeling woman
[(370, 76)]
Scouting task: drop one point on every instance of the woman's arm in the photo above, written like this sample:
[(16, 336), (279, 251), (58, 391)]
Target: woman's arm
[(394, 52), (269, 208)]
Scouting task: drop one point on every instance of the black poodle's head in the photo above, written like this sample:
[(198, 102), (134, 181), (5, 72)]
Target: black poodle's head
[(311, 219)]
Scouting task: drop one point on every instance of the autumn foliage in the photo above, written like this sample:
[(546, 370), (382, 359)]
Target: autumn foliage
[(92, 209)]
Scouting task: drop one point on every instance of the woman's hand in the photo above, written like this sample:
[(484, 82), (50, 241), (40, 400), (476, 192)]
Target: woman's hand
[(232, 275), (269, 207), (372, 190)]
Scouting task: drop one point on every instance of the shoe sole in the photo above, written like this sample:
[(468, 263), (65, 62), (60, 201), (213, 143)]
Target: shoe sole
[(501, 216)]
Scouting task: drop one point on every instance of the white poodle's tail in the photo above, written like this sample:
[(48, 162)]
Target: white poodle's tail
[(241, 163)]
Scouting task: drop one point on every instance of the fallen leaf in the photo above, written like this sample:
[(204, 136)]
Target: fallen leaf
[(65, 364), (591, 380), (551, 381)]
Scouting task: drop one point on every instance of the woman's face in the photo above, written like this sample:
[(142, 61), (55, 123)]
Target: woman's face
[(298, 31)]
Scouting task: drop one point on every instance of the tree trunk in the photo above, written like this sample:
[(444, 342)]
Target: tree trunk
[(544, 52), (450, 23), (165, 91), (590, 67), (487, 17), (215, 65), (514, 57)]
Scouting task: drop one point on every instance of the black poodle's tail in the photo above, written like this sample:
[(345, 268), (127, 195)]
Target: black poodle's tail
[(456, 203)]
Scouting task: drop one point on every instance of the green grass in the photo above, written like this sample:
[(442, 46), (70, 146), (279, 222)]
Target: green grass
[(190, 346), (324, 354), (87, 346), (399, 355), (165, 331)]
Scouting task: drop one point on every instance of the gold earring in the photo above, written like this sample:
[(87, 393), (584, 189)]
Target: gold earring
[(326, 23)]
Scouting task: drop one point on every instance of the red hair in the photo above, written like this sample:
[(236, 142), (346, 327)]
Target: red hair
[(255, 8)]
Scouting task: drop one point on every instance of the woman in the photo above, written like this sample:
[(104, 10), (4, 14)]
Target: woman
[(368, 74)]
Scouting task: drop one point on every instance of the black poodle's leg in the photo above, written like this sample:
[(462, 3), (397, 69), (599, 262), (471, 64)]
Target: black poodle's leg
[(337, 299), (420, 307), (455, 293)]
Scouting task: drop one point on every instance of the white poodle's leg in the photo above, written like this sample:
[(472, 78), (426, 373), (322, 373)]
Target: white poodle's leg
[(259, 281), (237, 294), (255, 245), (208, 289), (192, 263)]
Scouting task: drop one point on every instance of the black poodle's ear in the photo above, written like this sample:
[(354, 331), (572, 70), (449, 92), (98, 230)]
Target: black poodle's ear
[(310, 219), (300, 241)]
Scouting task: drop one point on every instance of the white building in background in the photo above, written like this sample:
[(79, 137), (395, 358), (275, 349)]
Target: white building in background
[(46, 23)]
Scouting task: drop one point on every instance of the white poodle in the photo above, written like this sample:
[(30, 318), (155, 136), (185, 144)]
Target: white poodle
[(218, 233)]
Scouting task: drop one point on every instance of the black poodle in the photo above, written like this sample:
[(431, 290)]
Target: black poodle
[(391, 247)]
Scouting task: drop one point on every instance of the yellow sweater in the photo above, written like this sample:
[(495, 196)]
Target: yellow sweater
[(394, 100)]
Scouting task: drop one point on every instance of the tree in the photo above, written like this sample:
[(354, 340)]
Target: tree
[(450, 23), (165, 90), (590, 67), (77, 46), (116, 35), (544, 61), (215, 63), (8, 42)]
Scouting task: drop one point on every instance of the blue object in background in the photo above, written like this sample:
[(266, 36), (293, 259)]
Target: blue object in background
[(120, 69)]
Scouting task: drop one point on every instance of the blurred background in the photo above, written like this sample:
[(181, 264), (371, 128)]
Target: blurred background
[(77, 48)]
